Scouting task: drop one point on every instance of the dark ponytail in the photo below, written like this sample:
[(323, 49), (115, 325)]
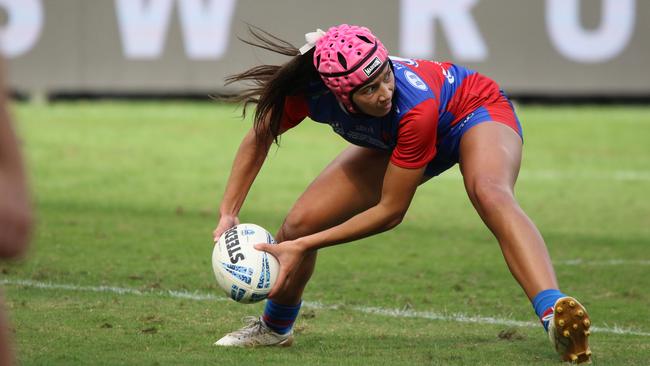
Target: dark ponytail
[(268, 85)]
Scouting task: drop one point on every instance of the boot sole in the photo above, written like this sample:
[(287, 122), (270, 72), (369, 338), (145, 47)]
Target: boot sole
[(572, 330)]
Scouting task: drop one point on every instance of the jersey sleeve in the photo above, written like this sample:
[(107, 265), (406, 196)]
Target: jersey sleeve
[(295, 110), (416, 137)]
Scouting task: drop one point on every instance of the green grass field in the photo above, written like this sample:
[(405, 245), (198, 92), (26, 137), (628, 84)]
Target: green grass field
[(127, 193)]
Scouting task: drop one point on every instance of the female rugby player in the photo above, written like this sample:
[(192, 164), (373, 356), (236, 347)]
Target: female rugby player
[(407, 121)]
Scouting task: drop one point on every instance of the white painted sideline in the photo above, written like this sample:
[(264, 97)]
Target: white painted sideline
[(566, 175), (394, 313), (606, 262), (116, 290)]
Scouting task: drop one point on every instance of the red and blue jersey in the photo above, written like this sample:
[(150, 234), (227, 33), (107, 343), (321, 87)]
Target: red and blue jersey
[(431, 101)]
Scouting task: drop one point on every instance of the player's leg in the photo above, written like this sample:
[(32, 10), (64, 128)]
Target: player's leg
[(490, 156), (348, 185)]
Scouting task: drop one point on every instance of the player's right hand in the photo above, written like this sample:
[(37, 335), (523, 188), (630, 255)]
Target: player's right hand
[(225, 223)]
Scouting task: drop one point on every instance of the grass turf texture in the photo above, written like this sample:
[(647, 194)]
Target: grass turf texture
[(127, 196)]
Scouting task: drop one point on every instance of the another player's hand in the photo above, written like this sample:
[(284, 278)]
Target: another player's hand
[(225, 223), (15, 218), (290, 255)]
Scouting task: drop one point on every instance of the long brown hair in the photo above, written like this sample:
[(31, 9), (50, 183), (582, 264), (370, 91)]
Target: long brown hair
[(268, 85)]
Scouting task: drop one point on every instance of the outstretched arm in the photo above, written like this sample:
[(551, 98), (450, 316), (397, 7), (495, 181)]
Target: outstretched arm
[(398, 189), (246, 165), (248, 162)]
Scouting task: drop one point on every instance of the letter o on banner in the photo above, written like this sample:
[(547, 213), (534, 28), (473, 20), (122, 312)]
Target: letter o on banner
[(599, 45), (23, 28)]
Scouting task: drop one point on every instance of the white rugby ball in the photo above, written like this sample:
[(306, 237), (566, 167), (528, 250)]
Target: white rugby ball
[(244, 273)]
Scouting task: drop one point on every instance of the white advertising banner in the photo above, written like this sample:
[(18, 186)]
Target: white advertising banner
[(541, 47)]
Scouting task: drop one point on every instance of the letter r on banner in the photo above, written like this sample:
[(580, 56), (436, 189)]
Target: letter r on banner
[(417, 31)]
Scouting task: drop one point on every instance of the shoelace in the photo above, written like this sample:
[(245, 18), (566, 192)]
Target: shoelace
[(253, 326)]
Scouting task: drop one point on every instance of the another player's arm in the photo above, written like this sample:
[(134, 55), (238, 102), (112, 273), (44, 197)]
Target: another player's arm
[(398, 189), (15, 210)]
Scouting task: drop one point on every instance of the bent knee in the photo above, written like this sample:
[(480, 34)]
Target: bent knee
[(296, 225), (490, 194)]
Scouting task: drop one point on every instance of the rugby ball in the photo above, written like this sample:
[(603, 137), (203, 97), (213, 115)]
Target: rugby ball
[(244, 273)]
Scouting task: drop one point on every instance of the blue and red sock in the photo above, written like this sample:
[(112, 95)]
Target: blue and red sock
[(280, 318), (543, 304)]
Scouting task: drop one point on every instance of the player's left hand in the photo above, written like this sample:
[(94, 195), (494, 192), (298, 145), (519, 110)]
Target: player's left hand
[(290, 255)]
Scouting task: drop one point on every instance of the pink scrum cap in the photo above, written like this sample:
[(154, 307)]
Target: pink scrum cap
[(347, 57)]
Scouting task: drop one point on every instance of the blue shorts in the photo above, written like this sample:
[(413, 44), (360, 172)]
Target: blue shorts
[(448, 146)]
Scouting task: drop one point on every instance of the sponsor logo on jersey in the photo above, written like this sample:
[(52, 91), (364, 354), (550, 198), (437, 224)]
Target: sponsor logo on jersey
[(446, 73), (465, 120), (449, 76), (406, 61), (372, 66), (415, 80)]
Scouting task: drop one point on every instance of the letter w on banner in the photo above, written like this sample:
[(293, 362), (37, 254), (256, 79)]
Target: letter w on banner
[(205, 25)]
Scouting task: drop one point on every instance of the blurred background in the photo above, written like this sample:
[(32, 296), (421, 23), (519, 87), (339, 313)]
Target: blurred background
[(551, 48), (126, 192)]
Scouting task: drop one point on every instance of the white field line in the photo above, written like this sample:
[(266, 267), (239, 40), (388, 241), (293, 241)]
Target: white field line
[(393, 313), (619, 175), (111, 289), (607, 262), (559, 175)]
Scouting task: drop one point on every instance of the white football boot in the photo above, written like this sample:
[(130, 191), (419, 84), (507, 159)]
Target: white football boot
[(568, 330), (255, 334)]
